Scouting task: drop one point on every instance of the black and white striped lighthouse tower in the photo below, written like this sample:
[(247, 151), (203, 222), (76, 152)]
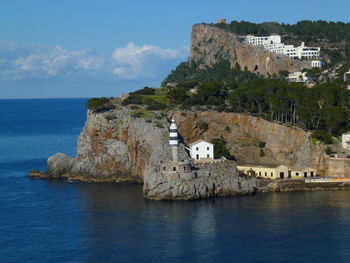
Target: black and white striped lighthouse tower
[(174, 140)]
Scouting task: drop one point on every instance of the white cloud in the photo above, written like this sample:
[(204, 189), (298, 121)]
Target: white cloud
[(144, 61), (20, 61)]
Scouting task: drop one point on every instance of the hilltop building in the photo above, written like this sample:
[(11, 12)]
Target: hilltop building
[(273, 44), (201, 150), (221, 21), (277, 171)]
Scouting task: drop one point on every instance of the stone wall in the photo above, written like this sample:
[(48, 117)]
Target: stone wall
[(335, 167)]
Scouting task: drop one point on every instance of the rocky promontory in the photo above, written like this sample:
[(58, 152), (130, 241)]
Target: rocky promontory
[(127, 145), (212, 180)]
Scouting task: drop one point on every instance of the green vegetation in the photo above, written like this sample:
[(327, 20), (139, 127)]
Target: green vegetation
[(333, 37), (328, 151), (158, 98), (324, 107), (140, 113), (262, 144), (144, 91), (220, 149), (153, 102), (99, 104), (262, 153), (203, 126), (133, 99), (188, 75), (322, 136)]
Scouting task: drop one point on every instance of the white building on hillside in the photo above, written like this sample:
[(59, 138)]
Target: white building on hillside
[(347, 76), (201, 150), (297, 77), (307, 52), (273, 44), (260, 41), (316, 63), (345, 141)]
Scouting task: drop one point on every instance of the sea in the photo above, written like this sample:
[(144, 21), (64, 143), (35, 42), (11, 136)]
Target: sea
[(61, 221)]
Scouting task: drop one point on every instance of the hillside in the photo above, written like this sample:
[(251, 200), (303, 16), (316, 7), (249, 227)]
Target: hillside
[(214, 46), (211, 44), (332, 37)]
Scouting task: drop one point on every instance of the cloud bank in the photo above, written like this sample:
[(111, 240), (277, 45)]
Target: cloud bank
[(21, 62), (144, 61)]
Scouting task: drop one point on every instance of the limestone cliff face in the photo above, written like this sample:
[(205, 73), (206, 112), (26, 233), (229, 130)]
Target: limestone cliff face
[(283, 145), (210, 43), (114, 146)]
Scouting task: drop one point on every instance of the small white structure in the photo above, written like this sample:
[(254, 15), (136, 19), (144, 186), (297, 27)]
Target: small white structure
[(201, 150), (347, 76), (222, 21), (316, 63), (345, 140), (297, 77)]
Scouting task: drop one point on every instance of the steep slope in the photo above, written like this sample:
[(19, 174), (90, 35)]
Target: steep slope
[(114, 146), (243, 133), (210, 44)]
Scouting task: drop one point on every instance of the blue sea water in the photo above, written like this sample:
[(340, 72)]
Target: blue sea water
[(58, 221)]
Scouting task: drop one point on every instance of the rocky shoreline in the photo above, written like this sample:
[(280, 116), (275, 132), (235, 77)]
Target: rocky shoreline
[(222, 181), (121, 146)]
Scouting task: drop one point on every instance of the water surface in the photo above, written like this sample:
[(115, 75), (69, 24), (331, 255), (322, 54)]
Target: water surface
[(57, 221)]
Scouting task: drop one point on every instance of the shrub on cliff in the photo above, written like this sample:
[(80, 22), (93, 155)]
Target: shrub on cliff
[(144, 91), (133, 99), (153, 105), (203, 126), (322, 136), (99, 104), (220, 149)]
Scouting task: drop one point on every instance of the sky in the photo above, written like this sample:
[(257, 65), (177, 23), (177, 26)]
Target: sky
[(65, 48)]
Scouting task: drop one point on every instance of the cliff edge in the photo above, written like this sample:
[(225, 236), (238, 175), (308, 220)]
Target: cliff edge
[(118, 145), (210, 44)]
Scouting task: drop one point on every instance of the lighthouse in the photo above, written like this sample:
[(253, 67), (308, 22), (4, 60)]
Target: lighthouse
[(174, 141)]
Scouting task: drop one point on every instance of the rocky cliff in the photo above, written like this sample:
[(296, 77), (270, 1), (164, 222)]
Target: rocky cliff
[(283, 145), (115, 146), (209, 44)]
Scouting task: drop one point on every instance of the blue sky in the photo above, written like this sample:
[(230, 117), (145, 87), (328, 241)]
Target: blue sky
[(103, 48)]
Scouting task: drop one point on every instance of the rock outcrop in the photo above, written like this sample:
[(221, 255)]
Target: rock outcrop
[(115, 146), (209, 44), (283, 145), (209, 181)]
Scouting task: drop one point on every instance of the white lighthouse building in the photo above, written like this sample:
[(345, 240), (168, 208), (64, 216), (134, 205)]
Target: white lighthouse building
[(174, 141)]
